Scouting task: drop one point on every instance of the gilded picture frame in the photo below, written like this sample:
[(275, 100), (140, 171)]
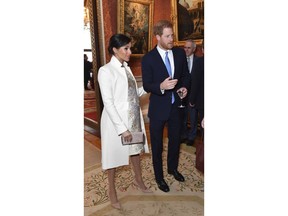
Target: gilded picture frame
[(188, 20), (135, 19)]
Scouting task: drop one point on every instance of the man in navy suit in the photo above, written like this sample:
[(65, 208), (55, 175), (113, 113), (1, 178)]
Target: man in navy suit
[(164, 73)]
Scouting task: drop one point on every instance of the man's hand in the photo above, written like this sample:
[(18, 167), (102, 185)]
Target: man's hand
[(184, 91), (168, 83), (191, 105)]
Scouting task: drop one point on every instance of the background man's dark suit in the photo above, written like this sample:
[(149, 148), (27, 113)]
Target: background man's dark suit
[(197, 86), (160, 108), (186, 99), (87, 69), (189, 135)]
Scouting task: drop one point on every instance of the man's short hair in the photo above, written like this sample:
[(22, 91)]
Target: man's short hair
[(160, 25)]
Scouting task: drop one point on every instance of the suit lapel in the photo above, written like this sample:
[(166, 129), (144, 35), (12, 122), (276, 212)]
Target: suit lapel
[(175, 58), (159, 62)]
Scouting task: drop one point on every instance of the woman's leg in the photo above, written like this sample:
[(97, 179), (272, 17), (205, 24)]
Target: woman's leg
[(135, 160), (111, 188)]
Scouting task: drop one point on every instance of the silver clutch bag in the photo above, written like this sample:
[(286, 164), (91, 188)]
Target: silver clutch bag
[(137, 137)]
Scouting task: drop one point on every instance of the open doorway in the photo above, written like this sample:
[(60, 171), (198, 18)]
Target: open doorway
[(93, 48)]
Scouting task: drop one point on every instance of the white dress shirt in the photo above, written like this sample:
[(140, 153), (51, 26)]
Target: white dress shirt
[(170, 56), (190, 64)]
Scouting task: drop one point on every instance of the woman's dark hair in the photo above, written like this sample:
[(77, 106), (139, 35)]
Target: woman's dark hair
[(117, 41)]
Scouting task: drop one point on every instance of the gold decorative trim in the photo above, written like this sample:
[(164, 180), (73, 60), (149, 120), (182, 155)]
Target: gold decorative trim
[(98, 51)]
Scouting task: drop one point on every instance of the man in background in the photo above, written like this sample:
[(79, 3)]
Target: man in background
[(188, 135), (196, 97), (87, 70)]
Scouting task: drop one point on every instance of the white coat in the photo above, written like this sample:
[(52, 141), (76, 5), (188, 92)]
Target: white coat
[(113, 84)]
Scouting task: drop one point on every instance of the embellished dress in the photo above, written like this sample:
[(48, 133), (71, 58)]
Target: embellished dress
[(133, 114)]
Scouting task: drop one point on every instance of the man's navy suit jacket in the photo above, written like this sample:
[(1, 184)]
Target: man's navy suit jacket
[(154, 72)]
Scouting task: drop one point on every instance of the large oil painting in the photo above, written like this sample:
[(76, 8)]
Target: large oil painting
[(135, 20), (188, 20)]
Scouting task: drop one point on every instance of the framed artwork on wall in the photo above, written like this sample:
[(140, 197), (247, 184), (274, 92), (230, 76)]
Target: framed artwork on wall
[(135, 19), (188, 20)]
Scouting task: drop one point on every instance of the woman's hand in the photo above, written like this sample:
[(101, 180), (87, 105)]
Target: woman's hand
[(127, 136)]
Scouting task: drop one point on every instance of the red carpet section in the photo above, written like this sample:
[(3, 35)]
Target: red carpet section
[(90, 105)]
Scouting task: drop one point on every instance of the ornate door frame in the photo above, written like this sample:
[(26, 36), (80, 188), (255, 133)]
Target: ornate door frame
[(98, 55)]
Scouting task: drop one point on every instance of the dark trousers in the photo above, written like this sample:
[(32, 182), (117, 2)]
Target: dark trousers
[(191, 133), (156, 136), (86, 79)]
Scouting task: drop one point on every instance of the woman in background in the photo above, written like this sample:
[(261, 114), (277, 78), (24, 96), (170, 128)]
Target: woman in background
[(121, 115)]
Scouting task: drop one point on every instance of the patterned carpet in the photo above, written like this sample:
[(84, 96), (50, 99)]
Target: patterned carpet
[(184, 198)]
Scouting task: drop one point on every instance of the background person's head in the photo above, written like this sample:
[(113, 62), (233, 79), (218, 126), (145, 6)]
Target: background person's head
[(189, 47), (85, 57)]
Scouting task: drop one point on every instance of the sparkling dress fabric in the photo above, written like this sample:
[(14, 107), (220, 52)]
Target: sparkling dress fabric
[(134, 114)]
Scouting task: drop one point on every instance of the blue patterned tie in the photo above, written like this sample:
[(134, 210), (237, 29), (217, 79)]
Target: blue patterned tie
[(168, 66)]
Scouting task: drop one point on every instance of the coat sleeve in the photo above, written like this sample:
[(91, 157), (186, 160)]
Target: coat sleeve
[(106, 87), (141, 91)]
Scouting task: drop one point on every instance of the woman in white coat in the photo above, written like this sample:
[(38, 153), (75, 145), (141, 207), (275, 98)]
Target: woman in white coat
[(121, 115)]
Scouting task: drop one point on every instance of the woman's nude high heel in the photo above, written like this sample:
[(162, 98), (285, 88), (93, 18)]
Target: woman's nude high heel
[(147, 190), (115, 205)]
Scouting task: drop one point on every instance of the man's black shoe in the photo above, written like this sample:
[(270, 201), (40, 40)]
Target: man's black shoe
[(189, 142), (176, 175), (163, 186)]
